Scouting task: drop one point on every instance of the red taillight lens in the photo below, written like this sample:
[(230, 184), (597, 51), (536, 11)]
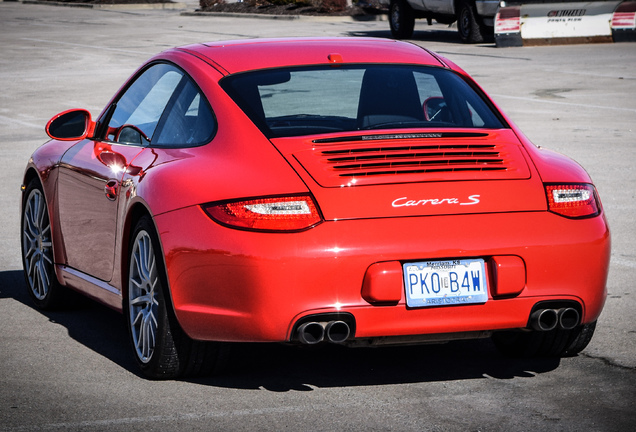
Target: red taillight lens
[(289, 213), (572, 200)]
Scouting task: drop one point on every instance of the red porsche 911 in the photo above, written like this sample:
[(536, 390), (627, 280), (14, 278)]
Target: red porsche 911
[(350, 191)]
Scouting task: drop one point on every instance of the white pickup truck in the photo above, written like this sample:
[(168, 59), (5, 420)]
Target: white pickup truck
[(475, 18)]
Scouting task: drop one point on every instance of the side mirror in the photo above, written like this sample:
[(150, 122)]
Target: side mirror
[(71, 125)]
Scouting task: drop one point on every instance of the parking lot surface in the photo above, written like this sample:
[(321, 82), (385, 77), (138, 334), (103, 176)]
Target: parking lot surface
[(72, 370)]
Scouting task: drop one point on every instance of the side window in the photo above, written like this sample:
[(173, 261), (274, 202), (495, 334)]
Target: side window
[(162, 107), (475, 117), (188, 120), (143, 103), (427, 86)]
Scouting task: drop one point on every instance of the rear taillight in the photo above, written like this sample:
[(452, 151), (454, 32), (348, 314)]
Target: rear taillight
[(288, 213), (572, 200)]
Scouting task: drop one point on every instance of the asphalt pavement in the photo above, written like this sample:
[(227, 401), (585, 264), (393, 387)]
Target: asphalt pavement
[(72, 369)]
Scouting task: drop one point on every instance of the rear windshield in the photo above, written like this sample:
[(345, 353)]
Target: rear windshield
[(304, 101)]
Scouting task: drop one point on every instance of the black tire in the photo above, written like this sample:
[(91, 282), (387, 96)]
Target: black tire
[(554, 343), (37, 249), (579, 339), (469, 25), (160, 347), (401, 19)]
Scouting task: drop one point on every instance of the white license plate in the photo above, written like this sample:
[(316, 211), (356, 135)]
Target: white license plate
[(445, 283)]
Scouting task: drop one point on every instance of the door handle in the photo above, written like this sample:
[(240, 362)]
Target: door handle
[(111, 189)]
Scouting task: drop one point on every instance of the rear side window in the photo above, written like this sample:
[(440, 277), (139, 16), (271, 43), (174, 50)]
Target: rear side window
[(162, 107), (303, 101), (189, 121)]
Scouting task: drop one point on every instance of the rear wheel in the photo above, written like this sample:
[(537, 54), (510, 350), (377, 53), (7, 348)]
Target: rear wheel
[(469, 25), (401, 19), (162, 350), (37, 249), (553, 343)]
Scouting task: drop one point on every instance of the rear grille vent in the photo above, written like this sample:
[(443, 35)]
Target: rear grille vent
[(374, 161), (368, 162)]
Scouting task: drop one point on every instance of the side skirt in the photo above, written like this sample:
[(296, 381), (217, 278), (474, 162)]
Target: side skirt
[(91, 287)]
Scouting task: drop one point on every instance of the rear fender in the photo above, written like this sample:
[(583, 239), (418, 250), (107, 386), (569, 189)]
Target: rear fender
[(43, 166)]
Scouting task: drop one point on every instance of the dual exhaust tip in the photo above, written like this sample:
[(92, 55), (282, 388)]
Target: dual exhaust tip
[(337, 331), (548, 319), (311, 333)]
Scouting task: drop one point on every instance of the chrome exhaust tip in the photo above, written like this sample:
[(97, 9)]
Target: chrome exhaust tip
[(311, 333), (544, 319), (568, 318), (337, 331)]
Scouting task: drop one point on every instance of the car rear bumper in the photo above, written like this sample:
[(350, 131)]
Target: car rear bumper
[(231, 285)]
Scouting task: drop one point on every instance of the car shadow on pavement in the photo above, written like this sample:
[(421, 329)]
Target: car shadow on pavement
[(95, 326), (281, 368)]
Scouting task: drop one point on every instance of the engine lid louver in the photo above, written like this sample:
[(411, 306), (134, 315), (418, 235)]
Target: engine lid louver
[(383, 159)]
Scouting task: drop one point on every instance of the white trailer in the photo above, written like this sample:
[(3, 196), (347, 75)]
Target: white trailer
[(520, 22)]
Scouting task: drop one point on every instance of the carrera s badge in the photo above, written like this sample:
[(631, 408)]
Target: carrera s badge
[(406, 202)]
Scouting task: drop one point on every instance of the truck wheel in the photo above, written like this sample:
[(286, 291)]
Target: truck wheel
[(469, 25), (401, 19)]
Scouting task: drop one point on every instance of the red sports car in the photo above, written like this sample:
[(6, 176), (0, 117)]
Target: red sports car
[(351, 191)]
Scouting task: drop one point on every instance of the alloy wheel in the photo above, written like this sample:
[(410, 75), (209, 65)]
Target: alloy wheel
[(37, 247), (143, 283)]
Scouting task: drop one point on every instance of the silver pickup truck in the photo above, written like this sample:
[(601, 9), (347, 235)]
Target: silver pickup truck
[(475, 18)]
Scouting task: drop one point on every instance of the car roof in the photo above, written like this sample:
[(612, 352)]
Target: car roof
[(251, 54)]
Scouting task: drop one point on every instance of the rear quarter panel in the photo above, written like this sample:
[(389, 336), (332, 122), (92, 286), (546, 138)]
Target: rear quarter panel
[(43, 164)]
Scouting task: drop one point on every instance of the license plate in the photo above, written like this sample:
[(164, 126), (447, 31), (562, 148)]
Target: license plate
[(445, 283)]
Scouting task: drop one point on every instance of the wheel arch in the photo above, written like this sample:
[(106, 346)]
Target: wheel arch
[(47, 180), (32, 181), (29, 175), (135, 213), (458, 3)]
